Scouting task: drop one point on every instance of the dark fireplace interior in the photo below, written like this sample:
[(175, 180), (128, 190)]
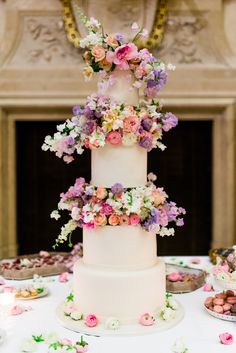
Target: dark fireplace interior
[(184, 169)]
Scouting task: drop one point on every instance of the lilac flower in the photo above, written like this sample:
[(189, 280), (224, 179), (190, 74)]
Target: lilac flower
[(76, 110), (180, 222), (88, 112), (88, 127), (147, 123), (146, 142), (152, 83), (170, 121), (150, 225), (70, 141), (160, 76), (117, 189), (155, 215), (119, 37)]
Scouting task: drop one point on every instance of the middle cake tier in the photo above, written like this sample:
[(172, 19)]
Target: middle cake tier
[(124, 164), (119, 247)]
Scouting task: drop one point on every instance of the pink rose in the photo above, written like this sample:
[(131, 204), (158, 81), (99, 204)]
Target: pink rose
[(91, 320), (146, 320), (226, 338), (134, 219), (174, 277), (17, 310), (114, 138), (89, 225), (100, 220), (81, 349), (110, 56), (131, 124), (114, 219), (123, 53), (63, 277), (106, 209), (124, 220), (208, 287), (66, 342), (98, 52), (101, 193)]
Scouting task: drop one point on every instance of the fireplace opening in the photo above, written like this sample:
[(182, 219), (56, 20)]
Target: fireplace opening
[(184, 169)]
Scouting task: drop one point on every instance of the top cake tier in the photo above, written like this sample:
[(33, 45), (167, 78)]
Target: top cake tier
[(121, 89)]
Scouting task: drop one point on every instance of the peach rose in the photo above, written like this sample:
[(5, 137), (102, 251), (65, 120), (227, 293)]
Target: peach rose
[(131, 124), (112, 41), (101, 193), (98, 52), (158, 198), (114, 219), (100, 220), (124, 220)]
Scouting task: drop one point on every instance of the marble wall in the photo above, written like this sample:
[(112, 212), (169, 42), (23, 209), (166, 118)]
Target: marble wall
[(40, 69)]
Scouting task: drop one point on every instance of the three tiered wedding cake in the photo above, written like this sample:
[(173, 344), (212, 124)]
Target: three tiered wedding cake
[(120, 279)]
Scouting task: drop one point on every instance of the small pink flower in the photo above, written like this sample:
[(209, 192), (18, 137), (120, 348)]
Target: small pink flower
[(106, 209), (134, 220), (123, 53), (124, 220), (114, 138), (195, 260), (101, 193), (66, 342), (98, 52), (131, 124), (208, 287), (81, 349), (146, 320), (16, 310), (112, 41), (63, 277), (69, 309), (91, 320), (226, 338), (68, 159), (174, 277), (44, 253)]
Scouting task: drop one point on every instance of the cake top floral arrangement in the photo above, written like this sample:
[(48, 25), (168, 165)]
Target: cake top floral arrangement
[(90, 206), (102, 120)]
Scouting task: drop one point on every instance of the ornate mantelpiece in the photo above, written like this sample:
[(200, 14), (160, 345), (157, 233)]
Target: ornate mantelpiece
[(39, 69)]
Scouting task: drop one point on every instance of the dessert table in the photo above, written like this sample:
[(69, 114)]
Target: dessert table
[(199, 330)]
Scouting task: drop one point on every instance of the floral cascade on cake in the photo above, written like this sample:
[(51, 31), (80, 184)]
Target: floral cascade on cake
[(120, 282)]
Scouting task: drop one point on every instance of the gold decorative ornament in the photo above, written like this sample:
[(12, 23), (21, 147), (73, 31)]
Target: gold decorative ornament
[(152, 41)]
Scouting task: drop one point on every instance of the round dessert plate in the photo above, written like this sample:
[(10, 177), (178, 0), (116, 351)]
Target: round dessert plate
[(39, 295), (220, 316), (125, 330), (226, 284), (2, 335)]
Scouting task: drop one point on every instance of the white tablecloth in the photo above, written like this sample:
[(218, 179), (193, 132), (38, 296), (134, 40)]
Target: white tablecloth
[(199, 330)]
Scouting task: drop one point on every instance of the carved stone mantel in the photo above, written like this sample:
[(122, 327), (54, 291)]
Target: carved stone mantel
[(40, 70)]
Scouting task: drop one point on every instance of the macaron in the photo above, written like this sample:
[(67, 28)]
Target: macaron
[(229, 293), (221, 295), (227, 307), (233, 309), (231, 300), (218, 309), (218, 301), (208, 302)]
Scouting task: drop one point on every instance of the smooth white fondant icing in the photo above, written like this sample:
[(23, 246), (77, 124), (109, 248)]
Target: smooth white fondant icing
[(125, 295), (124, 164), (119, 247), (121, 89)]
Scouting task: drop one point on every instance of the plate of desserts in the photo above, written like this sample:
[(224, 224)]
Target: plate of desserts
[(30, 292), (222, 306), (183, 279)]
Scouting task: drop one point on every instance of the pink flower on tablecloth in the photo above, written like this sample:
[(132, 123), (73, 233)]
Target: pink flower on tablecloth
[(63, 278), (208, 287), (17, 310), (91, 320), (146, 320), (195, 260), (80, 349), (226, 338), (8, 289), (66, 342)]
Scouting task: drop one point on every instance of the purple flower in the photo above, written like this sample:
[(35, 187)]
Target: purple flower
[(147, 123), (169, 121), (152, 83), (146, 142), (155, 215), (117, 189), (150, 225), (119, 37), (70, 141), (180, 222), (160, 76), (88, 127), (76, 110), (88, 112)]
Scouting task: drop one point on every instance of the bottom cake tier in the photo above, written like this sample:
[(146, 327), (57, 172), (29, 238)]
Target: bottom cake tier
[(125, 295)]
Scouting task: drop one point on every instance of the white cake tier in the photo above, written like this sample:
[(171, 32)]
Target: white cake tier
[(124, 164), (125, 295), (121, 89), (119, 247)]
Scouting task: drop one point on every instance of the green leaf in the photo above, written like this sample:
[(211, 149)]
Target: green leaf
[(70, 297), (38, 338)]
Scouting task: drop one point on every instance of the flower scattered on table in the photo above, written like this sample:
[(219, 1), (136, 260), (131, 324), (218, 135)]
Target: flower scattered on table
[(8, 289), (19, 309), (102, 121), (208, 287), (91, 320), (54, 344), (226, 338), (90, 206), (195, 261), (179, 346), (169, 311), (112, 323), (147, 320), (63, 278)]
